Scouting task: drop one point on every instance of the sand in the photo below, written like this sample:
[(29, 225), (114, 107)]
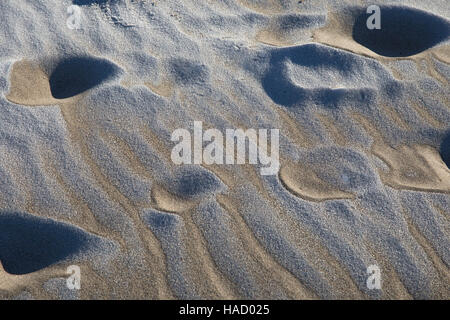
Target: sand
[(305, 183), (86, 176), (29, 85)]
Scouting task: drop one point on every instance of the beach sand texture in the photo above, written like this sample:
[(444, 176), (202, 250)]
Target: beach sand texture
[(86, 176)]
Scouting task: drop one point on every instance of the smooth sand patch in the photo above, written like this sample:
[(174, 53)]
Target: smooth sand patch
[(416, 167), (338, 33), (273, 37), (30, 85), (304, 183), (169, 202), (413, 167), (8, 281), (12, 284), (164, 88)]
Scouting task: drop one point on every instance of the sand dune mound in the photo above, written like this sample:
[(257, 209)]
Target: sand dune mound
[(76, 75), (116, 12), (183, 191), (321, 75), (28, 243), (297, 21), (171, 232), (194, 183), (404, 31), (188, 72), (285, 30), (162, 223)]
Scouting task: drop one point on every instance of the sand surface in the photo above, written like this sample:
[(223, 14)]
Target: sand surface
[(86, 176)]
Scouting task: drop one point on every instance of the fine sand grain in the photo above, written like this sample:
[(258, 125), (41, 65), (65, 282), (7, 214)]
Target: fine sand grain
[(87, 179)]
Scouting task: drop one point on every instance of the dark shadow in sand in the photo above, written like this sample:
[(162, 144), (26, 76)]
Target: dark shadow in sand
[(75, 75), (404, 31), (445, 149), (29, 243)]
